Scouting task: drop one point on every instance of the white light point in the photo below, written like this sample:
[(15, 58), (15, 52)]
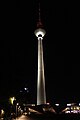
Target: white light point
[(69, 104), (57, 104), (48, 103), (25, 88)]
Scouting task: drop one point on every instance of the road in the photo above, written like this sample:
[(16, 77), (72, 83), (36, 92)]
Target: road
[(23, 117)]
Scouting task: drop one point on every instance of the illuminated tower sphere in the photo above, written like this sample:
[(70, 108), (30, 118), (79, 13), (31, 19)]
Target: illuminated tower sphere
[(41, 93)]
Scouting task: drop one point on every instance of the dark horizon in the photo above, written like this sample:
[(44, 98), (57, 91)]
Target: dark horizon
[(61, 52)]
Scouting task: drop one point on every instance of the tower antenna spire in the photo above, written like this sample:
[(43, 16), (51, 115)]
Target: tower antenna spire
[(39, 23), (39, 13)]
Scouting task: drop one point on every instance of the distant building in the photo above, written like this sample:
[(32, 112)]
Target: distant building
[(72, 108)]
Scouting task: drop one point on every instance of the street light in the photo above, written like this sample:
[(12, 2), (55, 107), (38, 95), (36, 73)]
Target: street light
[(11, 99), (16, 108), (2, 113), (12, 106)]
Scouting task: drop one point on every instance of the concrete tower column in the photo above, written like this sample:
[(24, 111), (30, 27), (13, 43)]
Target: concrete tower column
[(41, 93)]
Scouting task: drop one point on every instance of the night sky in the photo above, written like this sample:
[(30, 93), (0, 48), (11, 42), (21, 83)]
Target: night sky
[(18, 53)]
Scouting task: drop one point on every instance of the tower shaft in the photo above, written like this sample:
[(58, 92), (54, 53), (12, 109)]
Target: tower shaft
[(41, 94)]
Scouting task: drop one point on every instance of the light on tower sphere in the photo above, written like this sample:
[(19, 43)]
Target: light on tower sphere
[(40, 32)]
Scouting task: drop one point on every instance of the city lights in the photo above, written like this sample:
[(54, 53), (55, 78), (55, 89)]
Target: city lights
[(57, 104), (11, 99), (39, 72), (69, 104)]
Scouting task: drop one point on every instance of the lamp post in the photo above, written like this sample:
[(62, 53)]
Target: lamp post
[(12, 106), (17, 108)]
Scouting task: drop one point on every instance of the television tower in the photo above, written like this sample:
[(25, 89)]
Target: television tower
[(41, 93)]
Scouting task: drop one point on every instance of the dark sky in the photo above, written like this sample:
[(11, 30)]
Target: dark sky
[(18, 53)]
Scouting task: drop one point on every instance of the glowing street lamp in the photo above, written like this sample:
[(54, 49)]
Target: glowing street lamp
[(12, 100), (2, 112)]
